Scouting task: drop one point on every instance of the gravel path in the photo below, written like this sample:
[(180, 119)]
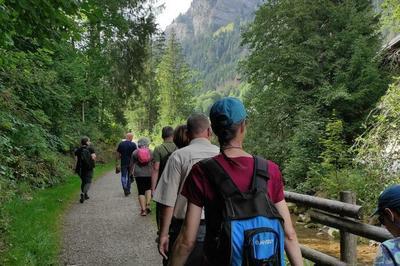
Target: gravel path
[(108, 230)]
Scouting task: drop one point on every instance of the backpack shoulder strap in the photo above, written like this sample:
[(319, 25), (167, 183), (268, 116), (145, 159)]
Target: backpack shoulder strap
[(217, 176), (165, 148), (260, 176), (85, 150)]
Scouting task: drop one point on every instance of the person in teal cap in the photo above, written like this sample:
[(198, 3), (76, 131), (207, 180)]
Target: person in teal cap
[(235, 169), (389, 216)]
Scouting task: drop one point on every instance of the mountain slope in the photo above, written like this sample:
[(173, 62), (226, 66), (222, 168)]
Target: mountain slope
[(210, 36)]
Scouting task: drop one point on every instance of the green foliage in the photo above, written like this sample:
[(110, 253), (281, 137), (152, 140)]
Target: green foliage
[(165, 96), (205, 101), (309, 61), (269, 129), (391, 15), (304, 147), (378, 147), (337, 172), (214, 55), (143, 109), (334, 157), (33, 24), (53, 90), (356, 179), (227, 28), (58, 81), (176, 86), (371, 164)]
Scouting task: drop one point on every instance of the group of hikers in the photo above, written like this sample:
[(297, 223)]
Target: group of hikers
[(218, 205)]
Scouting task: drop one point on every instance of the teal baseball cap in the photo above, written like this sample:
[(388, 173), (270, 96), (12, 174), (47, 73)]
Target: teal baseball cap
[(389, 198), (227, 111)]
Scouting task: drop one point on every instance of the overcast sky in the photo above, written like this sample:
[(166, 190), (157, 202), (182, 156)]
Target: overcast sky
[(172, 9)]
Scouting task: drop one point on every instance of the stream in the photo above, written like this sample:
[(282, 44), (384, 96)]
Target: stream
[(323, 242)]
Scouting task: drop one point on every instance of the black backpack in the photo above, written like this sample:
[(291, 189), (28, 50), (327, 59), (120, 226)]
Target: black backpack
[(87, 161), (163, 161), (243, 228)]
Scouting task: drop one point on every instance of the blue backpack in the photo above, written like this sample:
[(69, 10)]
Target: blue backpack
[(245, 229)]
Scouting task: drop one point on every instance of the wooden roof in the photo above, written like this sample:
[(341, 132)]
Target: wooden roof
[(392, 53)]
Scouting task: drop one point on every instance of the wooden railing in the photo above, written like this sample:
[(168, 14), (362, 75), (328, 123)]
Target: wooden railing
[(343, 215)]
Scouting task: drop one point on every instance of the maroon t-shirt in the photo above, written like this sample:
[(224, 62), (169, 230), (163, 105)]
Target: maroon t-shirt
[(198, 190)]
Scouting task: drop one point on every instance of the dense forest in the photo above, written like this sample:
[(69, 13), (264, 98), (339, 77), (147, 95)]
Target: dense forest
[(67, 69), (322, 93), (315, 76)]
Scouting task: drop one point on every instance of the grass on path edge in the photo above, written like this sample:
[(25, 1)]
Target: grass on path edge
[(35, 231)]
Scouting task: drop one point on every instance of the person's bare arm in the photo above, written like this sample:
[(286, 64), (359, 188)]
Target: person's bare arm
[(166, 194), (165, 221), (292, 246), (187, 237), (93, 156), (154, 175)]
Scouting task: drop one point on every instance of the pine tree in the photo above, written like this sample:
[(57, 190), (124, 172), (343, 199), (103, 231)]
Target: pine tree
[(175, 82), (144, 105), (307, 60)]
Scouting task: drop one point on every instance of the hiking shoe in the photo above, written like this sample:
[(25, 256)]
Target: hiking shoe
[(143, 213), (86, 197), (148, 210), (82, 198), (126, 192)]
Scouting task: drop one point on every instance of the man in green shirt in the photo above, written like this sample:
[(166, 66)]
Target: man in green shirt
[(160, 156)]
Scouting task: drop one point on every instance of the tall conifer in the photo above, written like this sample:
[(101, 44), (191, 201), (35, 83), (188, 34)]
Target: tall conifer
[(308, 60), (175, 82)]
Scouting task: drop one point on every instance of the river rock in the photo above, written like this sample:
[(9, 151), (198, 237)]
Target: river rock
[(332, 232), (304, 218), (373, 243), (311, 226), (292, 207)]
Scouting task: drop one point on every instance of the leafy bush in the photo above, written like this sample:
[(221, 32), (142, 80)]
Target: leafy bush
[(310, 61)]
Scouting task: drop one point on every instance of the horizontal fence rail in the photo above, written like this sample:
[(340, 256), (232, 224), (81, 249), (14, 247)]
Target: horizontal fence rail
[(320, 258), (365, 230), (342, 215), (341, 208)]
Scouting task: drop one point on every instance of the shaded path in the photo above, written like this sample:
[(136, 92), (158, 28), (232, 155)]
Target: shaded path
[(107, 229)]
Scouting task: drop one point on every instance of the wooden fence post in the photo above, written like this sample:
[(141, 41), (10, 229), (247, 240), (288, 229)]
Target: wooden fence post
[(348, 241)]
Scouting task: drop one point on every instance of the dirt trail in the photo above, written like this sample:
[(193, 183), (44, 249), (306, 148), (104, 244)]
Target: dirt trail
[(107, 229)]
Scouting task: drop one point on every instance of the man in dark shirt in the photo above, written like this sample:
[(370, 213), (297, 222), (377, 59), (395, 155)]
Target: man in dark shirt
[(124, 152), (85, 158)]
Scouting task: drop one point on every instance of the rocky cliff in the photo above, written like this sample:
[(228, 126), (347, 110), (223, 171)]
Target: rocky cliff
[(204, 16), (210, 36)]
